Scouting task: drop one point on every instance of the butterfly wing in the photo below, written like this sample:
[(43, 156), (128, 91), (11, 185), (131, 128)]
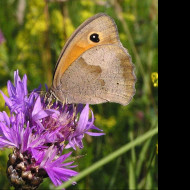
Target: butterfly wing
[(102, 74), (93, 66)]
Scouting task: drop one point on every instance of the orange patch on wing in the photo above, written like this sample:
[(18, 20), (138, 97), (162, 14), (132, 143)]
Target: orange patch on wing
[(77, 50)]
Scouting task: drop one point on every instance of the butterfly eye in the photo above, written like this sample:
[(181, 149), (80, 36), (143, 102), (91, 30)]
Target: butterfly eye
[(94, 37)]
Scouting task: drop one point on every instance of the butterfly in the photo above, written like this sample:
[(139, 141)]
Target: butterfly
[(93, 66)]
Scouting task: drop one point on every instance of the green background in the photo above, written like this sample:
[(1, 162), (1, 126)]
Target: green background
[(35, 32)]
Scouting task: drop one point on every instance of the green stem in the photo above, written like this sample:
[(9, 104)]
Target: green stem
[(110, 157)]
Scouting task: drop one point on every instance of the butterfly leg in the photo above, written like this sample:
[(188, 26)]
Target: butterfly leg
[(49, 100)]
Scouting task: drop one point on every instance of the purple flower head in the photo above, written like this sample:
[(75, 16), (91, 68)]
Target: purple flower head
[(60, 123), (38, 131)]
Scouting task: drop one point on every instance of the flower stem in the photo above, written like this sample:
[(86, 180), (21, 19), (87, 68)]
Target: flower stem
[(110, 157)]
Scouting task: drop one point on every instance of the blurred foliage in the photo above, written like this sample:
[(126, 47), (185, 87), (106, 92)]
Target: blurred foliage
[(35, 32)]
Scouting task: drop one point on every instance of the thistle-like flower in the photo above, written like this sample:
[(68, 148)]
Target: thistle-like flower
[(39, 131)]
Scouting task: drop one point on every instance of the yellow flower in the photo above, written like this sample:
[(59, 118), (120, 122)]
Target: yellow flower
[(154, 77)]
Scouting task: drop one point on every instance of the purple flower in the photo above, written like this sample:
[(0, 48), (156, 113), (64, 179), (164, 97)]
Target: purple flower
[(38, 131)]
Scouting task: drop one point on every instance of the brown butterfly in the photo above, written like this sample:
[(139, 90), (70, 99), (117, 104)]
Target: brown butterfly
[(93, 66)]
